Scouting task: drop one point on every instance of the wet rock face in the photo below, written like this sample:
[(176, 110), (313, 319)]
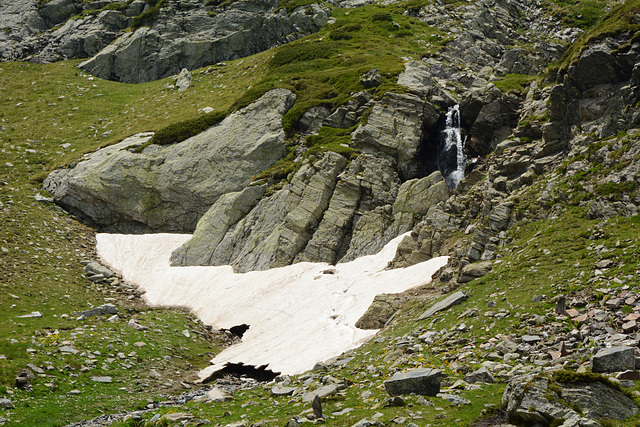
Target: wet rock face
[(169, 188), (395, 127)]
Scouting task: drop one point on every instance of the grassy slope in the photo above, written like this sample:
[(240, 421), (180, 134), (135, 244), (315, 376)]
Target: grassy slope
[(50, 105)]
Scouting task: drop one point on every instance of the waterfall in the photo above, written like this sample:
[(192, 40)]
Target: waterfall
[(452, 159)]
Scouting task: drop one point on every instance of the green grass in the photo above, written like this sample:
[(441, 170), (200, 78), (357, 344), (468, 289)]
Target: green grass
[(323, 69), (618, 21), (332, 139), (47, 106), (517, 83), (149, 16), (583, 14)]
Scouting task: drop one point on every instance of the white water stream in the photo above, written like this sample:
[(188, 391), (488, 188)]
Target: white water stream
[(453, 138), (298, 315)]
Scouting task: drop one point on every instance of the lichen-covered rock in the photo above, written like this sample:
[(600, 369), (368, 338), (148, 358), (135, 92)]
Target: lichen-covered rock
[(279, 227), (328, 243), (615, 359), (532, 400), (474, 270), (491, 117), (169, 188), (416, 197), (47, 34), (597, 66)]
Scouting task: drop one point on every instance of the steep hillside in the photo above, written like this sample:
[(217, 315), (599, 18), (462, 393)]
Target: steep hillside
[(322, 137)]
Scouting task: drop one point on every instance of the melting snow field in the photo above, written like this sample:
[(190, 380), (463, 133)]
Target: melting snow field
[(298, 315)]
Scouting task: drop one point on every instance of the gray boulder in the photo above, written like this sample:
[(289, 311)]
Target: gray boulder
[(616, 359), (98, 311), (312, 119), (325, 391), (368, 423), (481, 375), (597, 65), (474, 270), (183, 80), (448, 302), (371, 78), (95, 268), (532, 400), (424, 381), (185, 35), (6, 404), (379, 312), (169, 188)]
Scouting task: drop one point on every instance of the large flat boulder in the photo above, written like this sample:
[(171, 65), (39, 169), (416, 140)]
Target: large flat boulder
[(615, 359), (424, 381), (448, 302), (168, 189)]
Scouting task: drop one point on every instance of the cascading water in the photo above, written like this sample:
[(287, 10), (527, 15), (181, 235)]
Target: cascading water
[(452, 159)]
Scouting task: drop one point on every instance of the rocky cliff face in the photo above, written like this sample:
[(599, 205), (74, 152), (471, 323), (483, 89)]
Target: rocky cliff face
[(160, 41), (61, 29), (186, 34)]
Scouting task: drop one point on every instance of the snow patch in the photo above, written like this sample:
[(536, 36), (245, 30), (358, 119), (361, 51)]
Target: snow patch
[(298, 316)]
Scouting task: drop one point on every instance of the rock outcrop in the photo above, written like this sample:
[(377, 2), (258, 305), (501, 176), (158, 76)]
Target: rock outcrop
[(187, 34), (532, 400), (165, 39), (170, 188), (395, 127), (62, 29), (329, 212)]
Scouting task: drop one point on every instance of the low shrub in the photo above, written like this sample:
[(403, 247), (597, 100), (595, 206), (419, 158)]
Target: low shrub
[(180, 131), (344, 32)]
